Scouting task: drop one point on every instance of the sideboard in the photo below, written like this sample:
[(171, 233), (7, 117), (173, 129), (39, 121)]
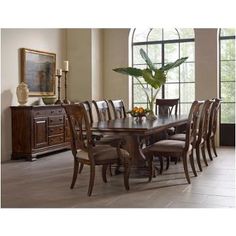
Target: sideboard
[(38, 130)]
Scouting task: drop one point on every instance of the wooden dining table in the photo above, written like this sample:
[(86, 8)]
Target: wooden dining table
[(134, 131)]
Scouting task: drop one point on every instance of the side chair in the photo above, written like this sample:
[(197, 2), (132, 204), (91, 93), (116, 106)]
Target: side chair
[(176, 148), (86, 152)]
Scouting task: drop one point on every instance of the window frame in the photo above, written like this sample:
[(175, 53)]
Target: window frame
[(162, 42)]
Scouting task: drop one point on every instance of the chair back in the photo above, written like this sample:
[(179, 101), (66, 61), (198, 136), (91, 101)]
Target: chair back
[(88, 109), (166, 106), (102, 109), (118, 108), (79, 124), (213, 117), (192, 123), (204, 120)]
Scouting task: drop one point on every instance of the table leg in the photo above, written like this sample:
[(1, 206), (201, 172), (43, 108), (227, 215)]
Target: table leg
[(138, 164)]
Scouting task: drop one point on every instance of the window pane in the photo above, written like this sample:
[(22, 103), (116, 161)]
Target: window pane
[(187, 50), (228, 91), (155, 35), (173, 75), (227, 70), (171, 91), (140, 35), (139, 94), (185, 108), (154, 53), (186, 33), (144, 105), (227, 113), (137, 59), (187, 72), (187, 93), (170, 34), (228, 49), (171, 52), (227, 32)]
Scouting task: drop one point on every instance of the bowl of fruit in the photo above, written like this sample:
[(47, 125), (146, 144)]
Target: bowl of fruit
[(138, 113)]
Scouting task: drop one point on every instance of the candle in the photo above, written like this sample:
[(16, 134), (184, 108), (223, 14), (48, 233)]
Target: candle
[(66, 65), (59, 71)]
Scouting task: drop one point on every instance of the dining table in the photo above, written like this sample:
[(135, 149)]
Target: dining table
[(133, 131)]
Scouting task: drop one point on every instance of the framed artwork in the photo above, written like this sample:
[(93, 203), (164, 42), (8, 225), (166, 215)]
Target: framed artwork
[(38, 71)]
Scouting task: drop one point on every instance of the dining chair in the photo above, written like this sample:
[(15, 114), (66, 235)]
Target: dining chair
[(211, 135), (166, 106), (86, 152), (176, 148), (104, 114), (118, 108), (201, 134)]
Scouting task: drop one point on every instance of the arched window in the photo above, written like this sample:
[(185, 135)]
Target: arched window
[(163, 46), (227, 85)]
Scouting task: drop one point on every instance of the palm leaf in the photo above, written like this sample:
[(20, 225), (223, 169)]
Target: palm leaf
[(174, 64), (147, 59), (129, 71)]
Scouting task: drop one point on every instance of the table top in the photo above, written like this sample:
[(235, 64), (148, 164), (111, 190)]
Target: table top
[(130, 126)]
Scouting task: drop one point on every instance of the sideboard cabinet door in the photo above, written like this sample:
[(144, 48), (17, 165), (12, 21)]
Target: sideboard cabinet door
[(40, 132)]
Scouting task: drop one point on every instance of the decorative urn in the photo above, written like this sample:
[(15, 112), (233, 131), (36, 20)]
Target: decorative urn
[(22, 93)]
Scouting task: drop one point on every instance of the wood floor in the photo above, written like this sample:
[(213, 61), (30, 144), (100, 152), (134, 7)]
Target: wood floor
[(45, 183)]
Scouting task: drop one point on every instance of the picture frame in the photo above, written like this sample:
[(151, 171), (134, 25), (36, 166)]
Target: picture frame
[(38, 71)]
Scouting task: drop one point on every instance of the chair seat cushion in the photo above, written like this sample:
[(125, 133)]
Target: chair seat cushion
[(103, 153), (181, 137), (167, 146)]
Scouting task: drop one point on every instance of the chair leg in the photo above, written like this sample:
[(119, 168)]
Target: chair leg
[(151, 169), (204, 154), (104, 172), (91, 180), (81, 168), (126, 174), (209, 148), (198, 157), (161, 164), (167, 163), (213, 145), (192, 164), (110, 170), (75, 174), (185, 164)]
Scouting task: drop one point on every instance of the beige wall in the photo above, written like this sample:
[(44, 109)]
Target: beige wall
[(116, 47), (97, 64), (79, 53), (206, 73), (50, 40)]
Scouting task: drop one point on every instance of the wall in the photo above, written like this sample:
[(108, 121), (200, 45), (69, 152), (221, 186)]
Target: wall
[(206, 73), (116, 47), (50, 40), (97, 64), (79, 54)]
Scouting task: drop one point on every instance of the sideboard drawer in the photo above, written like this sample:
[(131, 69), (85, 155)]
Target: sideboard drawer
[(55, 120), (55, 130), (40, 113), (59, 111), (56, 139)]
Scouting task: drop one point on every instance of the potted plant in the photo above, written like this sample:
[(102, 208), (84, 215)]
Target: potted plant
[(153, 76)]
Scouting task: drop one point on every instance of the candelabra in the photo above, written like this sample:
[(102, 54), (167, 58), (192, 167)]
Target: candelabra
[(66, 101), (59, 101)]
